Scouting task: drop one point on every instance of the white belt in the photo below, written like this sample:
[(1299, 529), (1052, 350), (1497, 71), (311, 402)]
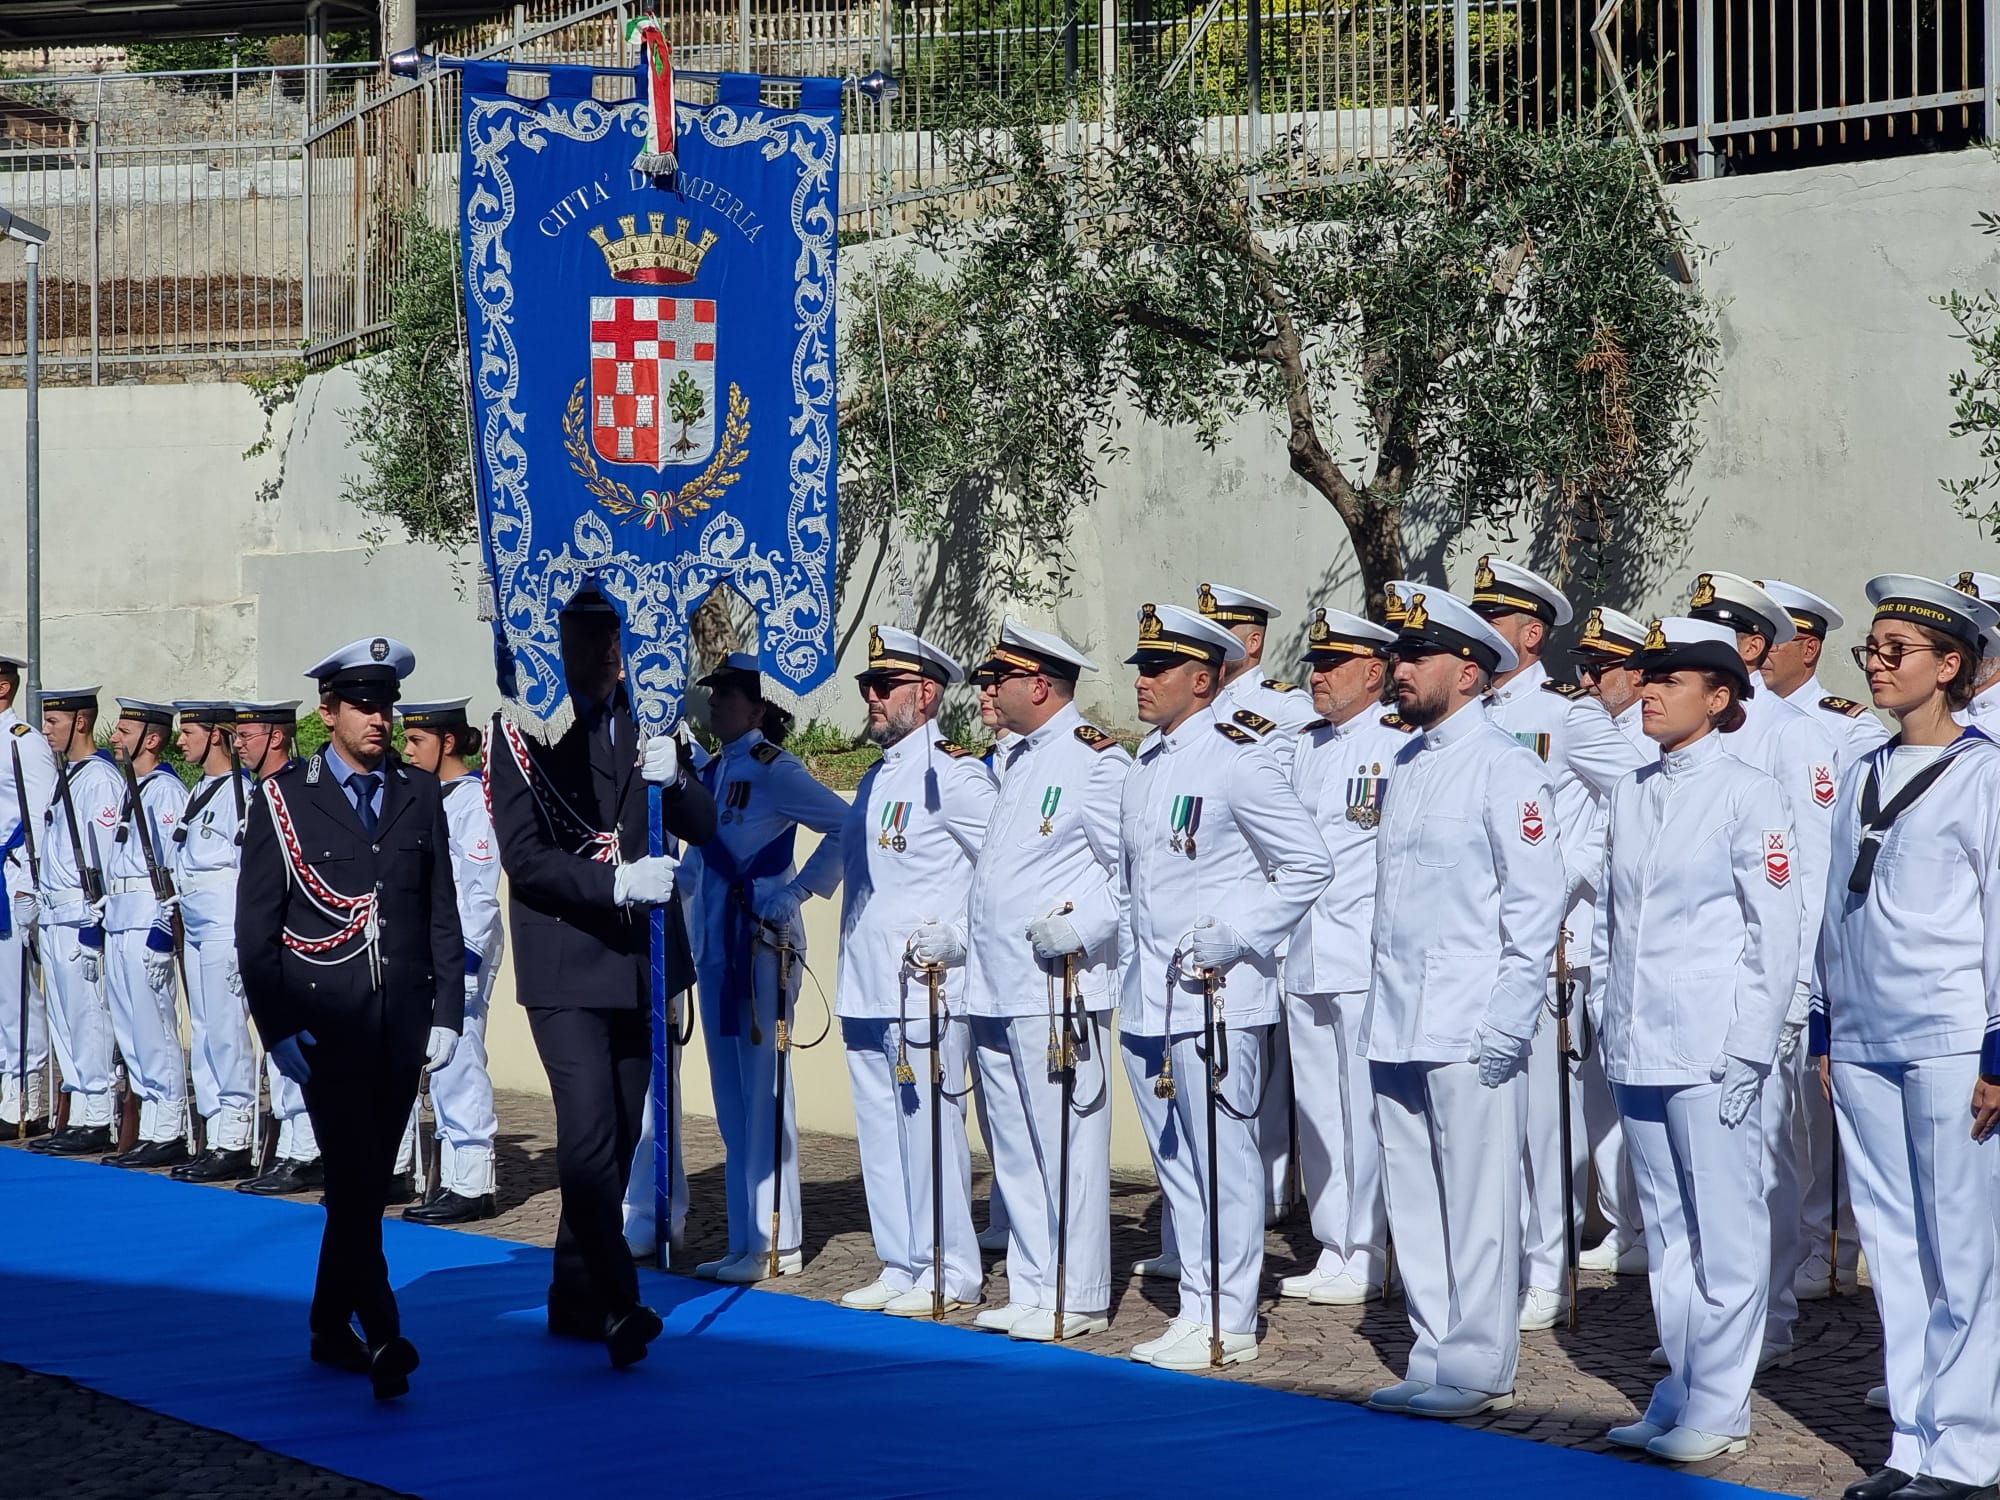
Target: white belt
[(69, 897), (207, 880), (129, 885)]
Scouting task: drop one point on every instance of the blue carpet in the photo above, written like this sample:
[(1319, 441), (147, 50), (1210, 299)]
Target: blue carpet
[(191, 1302)]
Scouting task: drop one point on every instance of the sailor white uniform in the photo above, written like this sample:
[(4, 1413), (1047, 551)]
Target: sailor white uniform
[(1698, 950), (763, 793), (908, 844), (1794, 748), (38, 775), (206, 849), (140, 983), (1051, 842), (1468, 901), (1344, 775), (1909, 971), (72, 933), (1210, 831)]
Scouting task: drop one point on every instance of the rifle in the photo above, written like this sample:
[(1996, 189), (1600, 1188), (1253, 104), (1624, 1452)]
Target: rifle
[(88, 876), (163, 892), (29, 957)]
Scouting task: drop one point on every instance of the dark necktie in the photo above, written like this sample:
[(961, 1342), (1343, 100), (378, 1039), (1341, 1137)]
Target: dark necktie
[(363, 785)]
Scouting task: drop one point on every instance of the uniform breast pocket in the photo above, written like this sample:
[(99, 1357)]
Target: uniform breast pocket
[(1442, 840), (1701, 1004), (407, 862), (1925, 879)]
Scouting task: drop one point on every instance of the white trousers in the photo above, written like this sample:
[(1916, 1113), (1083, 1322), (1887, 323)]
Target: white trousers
[(743, 1076), (639, 1226), (296, 1141), (1701, 1188), (1276, 1122), (892, 1125), (462, 1106), (1025, 1102), (147, 1031), (1821, 1142), (1340, 1156), (79, 1028), (1448, 1149), (222, 1060), (12, 950), (1177, 1132), (1927, 1203), (1785, 1175)]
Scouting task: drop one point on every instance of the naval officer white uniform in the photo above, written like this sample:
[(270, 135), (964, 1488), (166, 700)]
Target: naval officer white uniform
[(916, 826), (1586, 755), (1699, 952), (22, 1028), (1343, 772), (1909, 975), (1220, 862), (1794, 747), (1468, 901), (1046, 888), (1984, 709)]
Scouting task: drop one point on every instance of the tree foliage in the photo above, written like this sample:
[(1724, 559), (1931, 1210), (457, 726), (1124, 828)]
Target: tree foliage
[(1975, 396), (1496, 305)]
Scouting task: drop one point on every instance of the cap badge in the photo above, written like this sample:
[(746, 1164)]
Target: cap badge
[(1321, 632), (1704, 592), (876, 650), (1593, 628), (1393, 606), (1416, 617), (1150, 628), (1205, 600), (1483, 578), (1965, 585), (1656, 638), (378, 649)]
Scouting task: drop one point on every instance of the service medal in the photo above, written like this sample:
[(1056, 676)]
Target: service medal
[(895, 818), (1050, 798), (1187, 818), (1364, 797)]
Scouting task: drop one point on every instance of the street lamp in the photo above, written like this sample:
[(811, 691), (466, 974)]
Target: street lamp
[(32, 237)]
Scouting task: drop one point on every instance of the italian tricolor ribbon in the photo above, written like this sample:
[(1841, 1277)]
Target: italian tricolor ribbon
[(656, 76)]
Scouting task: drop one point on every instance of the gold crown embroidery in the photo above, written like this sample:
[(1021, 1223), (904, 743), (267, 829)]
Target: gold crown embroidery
[(1416, 617), (1704, 592), (1394, 607), (1483, 579), (1593, 628), (1205, 600), (1150, 628), (1321, 632), (876, 650), (653, 257), (1656, 638)]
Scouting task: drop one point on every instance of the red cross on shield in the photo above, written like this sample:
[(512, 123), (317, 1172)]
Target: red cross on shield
[(652, 380)]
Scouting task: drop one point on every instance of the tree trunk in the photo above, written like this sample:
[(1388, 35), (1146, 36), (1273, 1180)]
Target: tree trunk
[(1376, 535), (714, 633)]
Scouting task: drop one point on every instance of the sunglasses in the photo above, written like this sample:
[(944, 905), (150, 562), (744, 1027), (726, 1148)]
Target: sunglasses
[(884, 687)]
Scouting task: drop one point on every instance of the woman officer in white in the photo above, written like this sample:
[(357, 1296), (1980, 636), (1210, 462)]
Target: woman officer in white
[(1699, 946), (1909, 1010), (743, 877)]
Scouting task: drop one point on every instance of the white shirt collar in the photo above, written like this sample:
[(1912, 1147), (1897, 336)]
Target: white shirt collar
[(917, 742), (1061, 721), (1198, 722), (1690, 757), (1527, 680), (1469, 720)]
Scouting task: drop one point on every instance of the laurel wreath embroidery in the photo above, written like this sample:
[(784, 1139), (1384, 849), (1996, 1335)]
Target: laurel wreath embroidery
[(661, 505)]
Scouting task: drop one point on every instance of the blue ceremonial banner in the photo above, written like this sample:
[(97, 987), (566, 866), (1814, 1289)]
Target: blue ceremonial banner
[(653, 381)]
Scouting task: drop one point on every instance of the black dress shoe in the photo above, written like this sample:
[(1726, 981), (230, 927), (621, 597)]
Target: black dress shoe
[(627, 1337), (1930, 1487), (285, 1178), (214, 1166), (1880, 1485), (35, 1127), (575, 1315), (75, 1140), (343, 1350), (402, 1189), (151, 1154), (452, 1208), (389, 1366)]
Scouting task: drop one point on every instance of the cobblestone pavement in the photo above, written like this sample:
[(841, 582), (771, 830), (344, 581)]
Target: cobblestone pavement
[(1812, 1431)]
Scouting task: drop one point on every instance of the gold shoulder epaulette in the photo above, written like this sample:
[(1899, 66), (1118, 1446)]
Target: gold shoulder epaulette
[(21, 729), (1231, 732), (1094, 737), (1257, 723), (957, 751), (1565, 689), (1848, 706), (1397, 721), (1316, 724), (765, 753), (1279, 685)]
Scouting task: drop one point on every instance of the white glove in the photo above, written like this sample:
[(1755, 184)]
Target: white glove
[(1053, 938), (1741, 1083), (444, 1042), (661, 761), (777, 901), (92, 966), (26, 909), (937, 943), (159, 970), (1499, 1055), (1217, 946), (169, 902), (1788, 1041), (645, 882), (97, 910)]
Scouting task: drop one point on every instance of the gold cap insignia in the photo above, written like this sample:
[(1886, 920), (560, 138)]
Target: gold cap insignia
[(1704, 592), (1483, 579), (1205, 601), (1416, 617), (1394, 607), (1656, 638), (876, 650), (1965, 585), (1150, 628), (1593, 629), (1321, 632)]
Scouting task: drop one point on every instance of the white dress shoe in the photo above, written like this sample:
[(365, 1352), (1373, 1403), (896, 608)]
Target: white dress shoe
[(1301, 1285), (1039, 1326), (992, 1240), (1191, 1350), (873, 1297), (1167, 1267), (1397, 1397), (1635, 1434), (1658, 1359), (1774, 1357), (1686, 1445), (1144, 1352), (753, 1266), (1877, 1397), (1344, 1290), (1619, 1260), (1452, 1402), (917, 1303), (709, 1270), (1001, 1319), (1541, 1309)]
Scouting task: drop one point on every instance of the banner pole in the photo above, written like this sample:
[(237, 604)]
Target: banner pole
[(663, 1042)]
